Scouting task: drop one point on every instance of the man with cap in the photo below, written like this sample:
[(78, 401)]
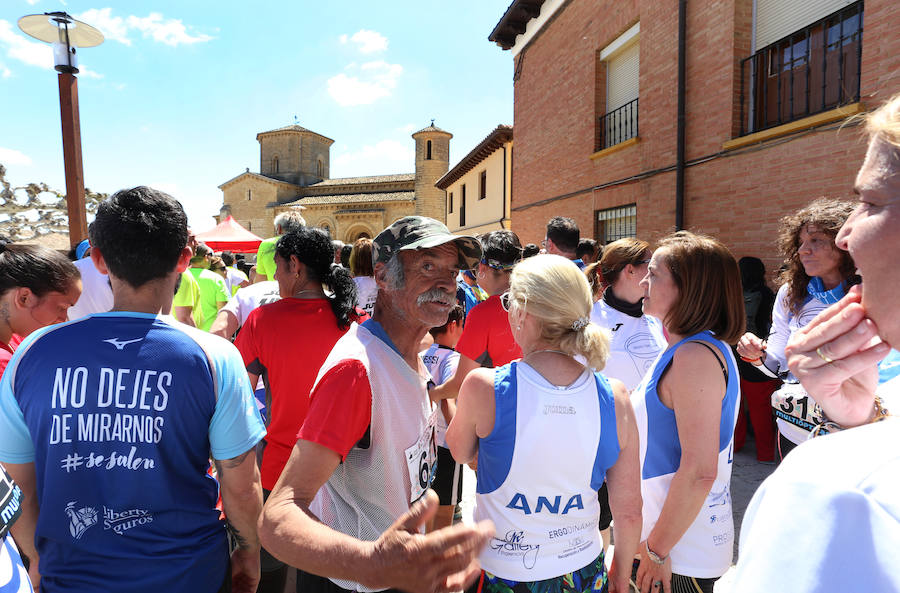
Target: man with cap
[(352, 500)]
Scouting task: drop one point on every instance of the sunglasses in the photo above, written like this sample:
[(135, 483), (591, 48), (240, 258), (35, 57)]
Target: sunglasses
[(506, 301)]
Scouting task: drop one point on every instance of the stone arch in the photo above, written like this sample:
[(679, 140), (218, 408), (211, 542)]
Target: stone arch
[(326, 222), (356, 231)]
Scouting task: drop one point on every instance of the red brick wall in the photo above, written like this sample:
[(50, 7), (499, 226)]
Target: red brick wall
[(739, 197)]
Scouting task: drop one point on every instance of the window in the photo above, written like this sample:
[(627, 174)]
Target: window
[(616, 223), (450, 206), (428, 150), (320, 168), (482, 186), (462, 206), (813, 69), (275, 165), (249, 225), (249, 195), (621, 58)]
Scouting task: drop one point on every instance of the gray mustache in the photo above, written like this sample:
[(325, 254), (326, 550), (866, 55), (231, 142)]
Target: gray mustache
[(436, 295)]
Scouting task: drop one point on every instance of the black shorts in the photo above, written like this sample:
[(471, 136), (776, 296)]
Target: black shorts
[(311, 583), (448, 479), (605, 512)]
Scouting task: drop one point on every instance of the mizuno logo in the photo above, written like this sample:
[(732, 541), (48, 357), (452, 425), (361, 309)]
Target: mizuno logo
[(120, 344)]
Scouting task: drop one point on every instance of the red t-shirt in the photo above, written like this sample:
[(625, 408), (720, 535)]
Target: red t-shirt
[(343, 393), (6, 351), (487, 338), (286, 342)]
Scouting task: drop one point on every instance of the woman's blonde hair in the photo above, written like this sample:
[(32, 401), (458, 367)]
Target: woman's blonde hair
[(553, 290), (884, 122)]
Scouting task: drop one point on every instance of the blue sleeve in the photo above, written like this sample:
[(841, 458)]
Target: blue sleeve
[(236, 425), (15, 438), (448, 366)]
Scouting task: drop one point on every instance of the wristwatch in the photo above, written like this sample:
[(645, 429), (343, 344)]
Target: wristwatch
[(654, 556)]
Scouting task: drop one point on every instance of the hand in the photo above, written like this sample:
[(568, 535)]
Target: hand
[(34, 573), (245, 570), (650, 573), (751, 347), (445, 560), (617, 583), (843, 335)]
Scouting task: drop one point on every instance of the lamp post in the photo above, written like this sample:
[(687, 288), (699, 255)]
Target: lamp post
[(65, 34)]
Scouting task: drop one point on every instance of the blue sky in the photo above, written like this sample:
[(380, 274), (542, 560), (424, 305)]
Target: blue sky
[(176, 94)]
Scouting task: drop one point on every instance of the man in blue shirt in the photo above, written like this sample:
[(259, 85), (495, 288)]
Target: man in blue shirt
[(107, 423)]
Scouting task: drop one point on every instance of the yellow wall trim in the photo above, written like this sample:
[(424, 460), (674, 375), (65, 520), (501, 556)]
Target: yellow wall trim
[(795, 126), (615, 148)]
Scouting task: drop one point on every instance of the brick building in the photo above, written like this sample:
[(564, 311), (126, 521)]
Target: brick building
[(596, 111)]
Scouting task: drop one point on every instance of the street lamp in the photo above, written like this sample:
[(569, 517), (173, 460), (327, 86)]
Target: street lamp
[(65, 34)]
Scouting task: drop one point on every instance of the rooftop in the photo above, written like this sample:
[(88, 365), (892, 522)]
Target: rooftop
[(513, 22), (349, 199), (370, 179), (498, 136), (293, 128)]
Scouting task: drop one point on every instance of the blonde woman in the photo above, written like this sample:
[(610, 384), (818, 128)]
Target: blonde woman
[(547, 432)]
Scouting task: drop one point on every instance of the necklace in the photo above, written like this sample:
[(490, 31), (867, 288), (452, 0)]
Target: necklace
[(547, 350), (297, 294)]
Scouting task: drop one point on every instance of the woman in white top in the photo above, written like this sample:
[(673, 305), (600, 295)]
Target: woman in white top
[(686, 409), (828, 519), (817, 275), (637, 338), (363, 274), (547, 432)]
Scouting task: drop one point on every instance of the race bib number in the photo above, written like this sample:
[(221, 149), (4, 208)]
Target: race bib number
[(792, 404), (421, 459)]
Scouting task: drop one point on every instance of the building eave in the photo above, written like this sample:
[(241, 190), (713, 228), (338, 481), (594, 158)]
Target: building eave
[(492, 142), (257, 176), (514, 21)]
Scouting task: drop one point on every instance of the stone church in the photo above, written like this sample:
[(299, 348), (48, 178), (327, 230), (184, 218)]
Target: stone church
[(294, 174)]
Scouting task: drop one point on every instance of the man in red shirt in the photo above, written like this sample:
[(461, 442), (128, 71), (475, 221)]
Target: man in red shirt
[(344, 506), (487, 339)]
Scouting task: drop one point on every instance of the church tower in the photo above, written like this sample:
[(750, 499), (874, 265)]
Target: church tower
[(294, 154), (432, 162)]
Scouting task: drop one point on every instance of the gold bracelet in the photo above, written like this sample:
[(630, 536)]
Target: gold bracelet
[(825, 426)]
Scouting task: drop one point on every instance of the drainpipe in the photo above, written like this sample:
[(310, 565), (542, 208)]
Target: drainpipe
[(504, 188), (679, 158)]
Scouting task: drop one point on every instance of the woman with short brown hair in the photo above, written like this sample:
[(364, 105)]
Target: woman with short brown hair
[(686, 409)]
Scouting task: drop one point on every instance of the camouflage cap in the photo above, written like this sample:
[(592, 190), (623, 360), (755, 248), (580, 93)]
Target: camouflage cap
[(420, 232)]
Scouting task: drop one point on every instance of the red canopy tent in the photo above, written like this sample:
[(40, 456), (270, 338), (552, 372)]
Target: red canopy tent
[(228, 235)]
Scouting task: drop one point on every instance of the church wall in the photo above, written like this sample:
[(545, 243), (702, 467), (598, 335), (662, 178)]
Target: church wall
[(247, 199), (287, 148)]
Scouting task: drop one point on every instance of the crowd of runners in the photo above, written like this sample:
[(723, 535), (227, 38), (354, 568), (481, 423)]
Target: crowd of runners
[(172, 422)]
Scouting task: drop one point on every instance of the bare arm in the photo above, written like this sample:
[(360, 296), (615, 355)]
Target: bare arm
[(225, 324), (694, 388), (474, 416), (624, 482), (183, 314), (24, 527), (445, 560), (451, 387), (242, 502)]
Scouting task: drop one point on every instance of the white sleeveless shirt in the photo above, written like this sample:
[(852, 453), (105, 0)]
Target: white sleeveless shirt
[(539, 471), (705, 549), (374, 486)]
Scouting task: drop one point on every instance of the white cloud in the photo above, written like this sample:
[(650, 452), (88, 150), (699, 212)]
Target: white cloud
[(18, 47), (9, 156), (114, 28), (408, 128), (382, 157), (367, 41), (154, 26), (83, 71), (365, 84), (169, 31), (4, 71), (32, 2)]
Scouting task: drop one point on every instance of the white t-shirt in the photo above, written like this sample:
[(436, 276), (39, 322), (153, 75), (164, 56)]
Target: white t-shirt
[(828, 519), (233, 279), (366, 291), (250, 297), (441, 362), (635, 343), (96, 293)]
